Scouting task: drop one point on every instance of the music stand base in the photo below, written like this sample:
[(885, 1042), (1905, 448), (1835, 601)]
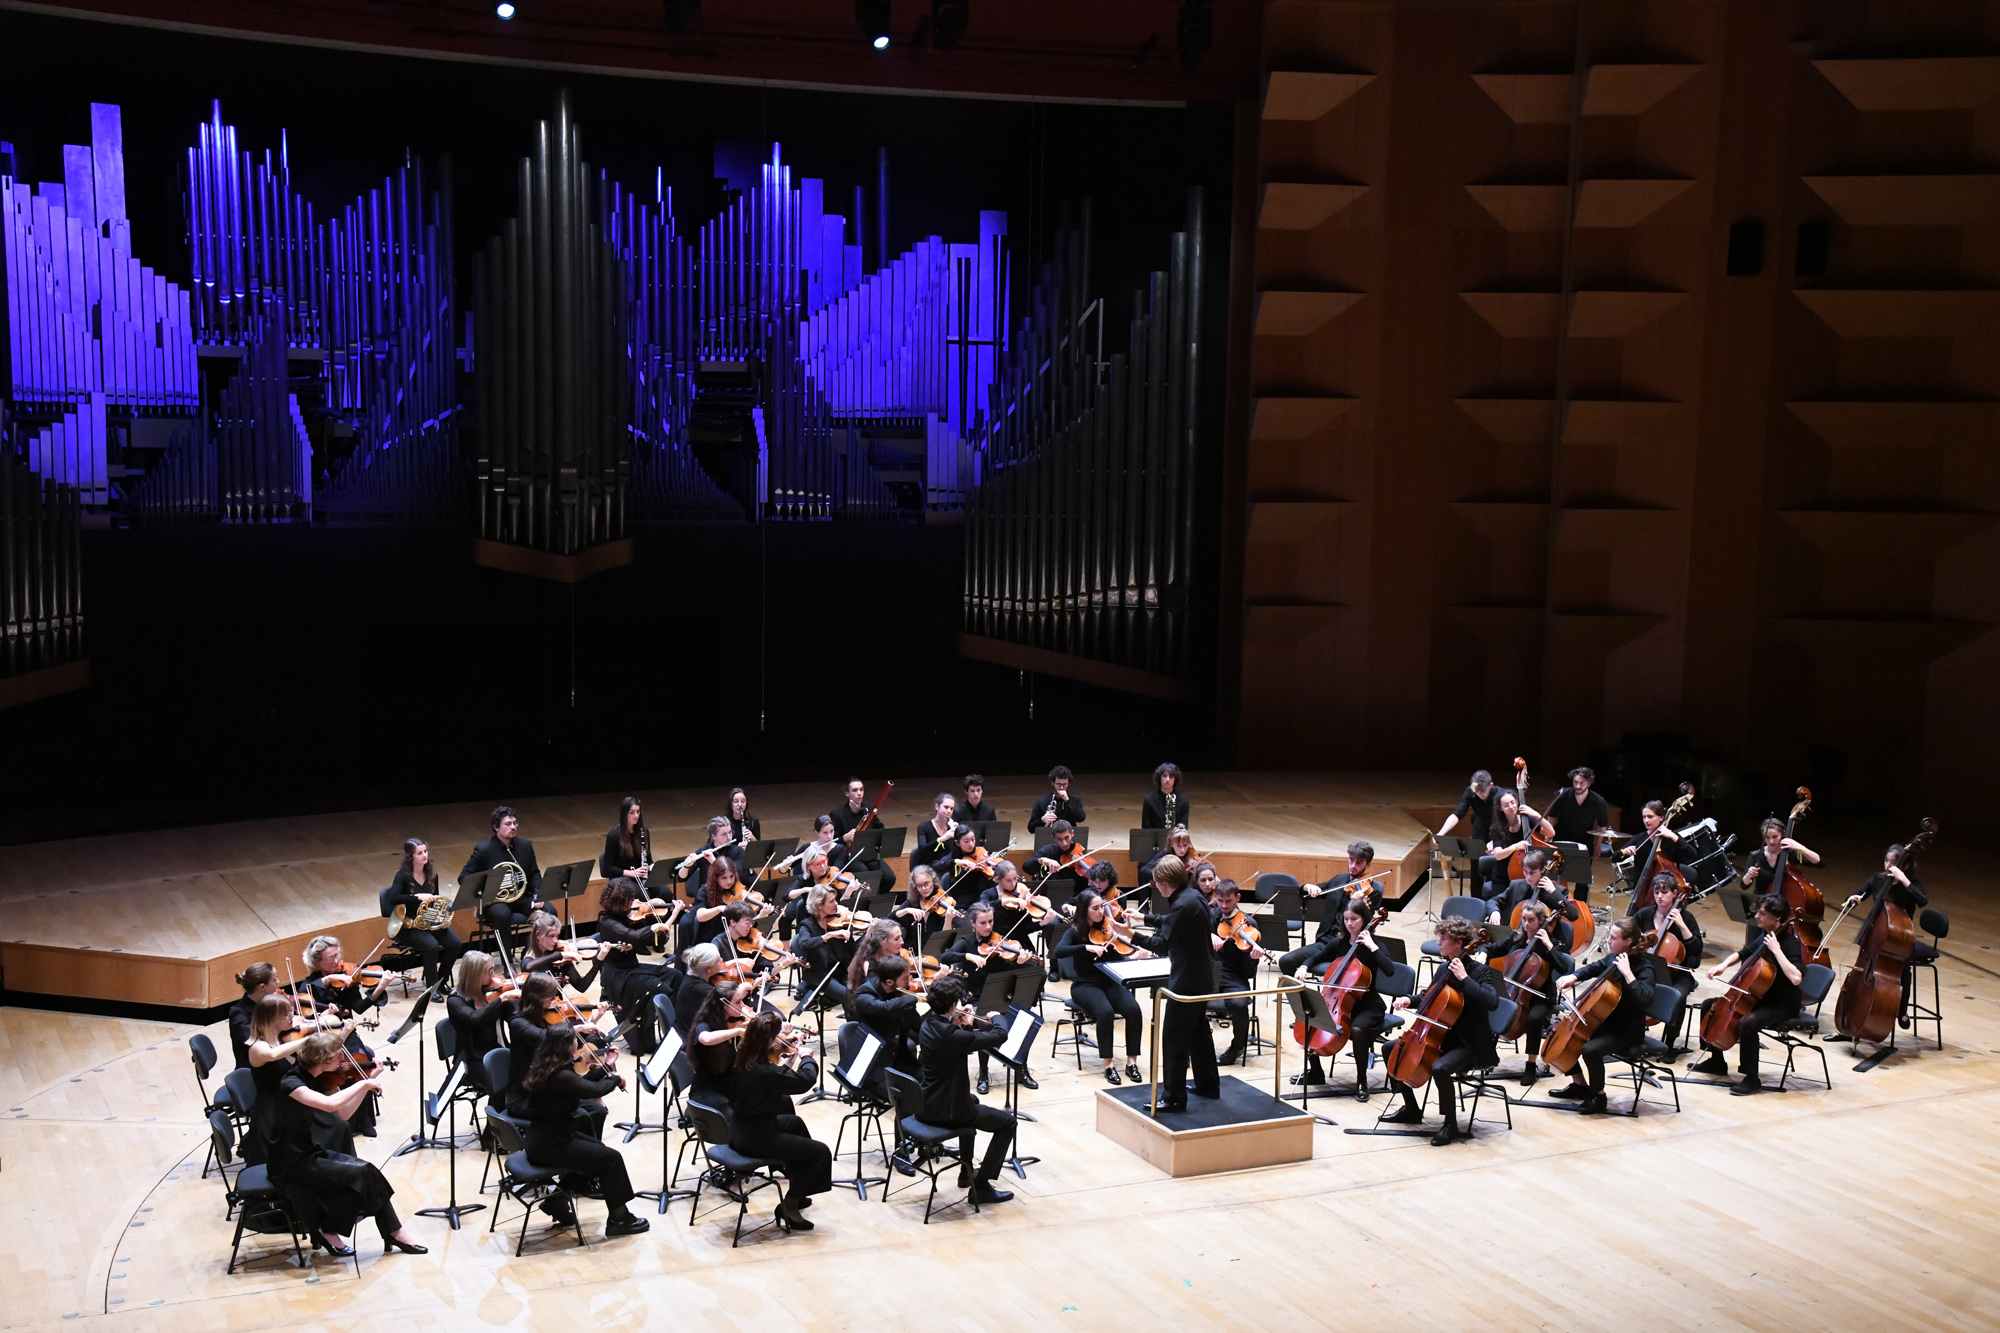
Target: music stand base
[(453, 1213)]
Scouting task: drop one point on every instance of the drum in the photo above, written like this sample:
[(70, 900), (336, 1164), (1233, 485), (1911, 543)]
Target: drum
[(1697, 841)]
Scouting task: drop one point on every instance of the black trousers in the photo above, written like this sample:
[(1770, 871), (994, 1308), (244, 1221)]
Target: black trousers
[(1452, 1062), (1236, 1011), (581, 1156), (1107, 1001), (1184, 1037), (1754, 1025), (808, 1162), (1539, 1011), (1000, 1124), (336, 1190), (506, 918), (1601, 1045), (438, 948)]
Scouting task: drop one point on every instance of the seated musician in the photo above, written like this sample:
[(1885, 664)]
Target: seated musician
[(982, 954), (949, 1034), (1048, 862), (525, 1033), (1890, 882), (718, 847), (703, 962), (1311, 963), (334, 992), (276, 1038), (1780, 1004), (847, 817), (810, 865), (1668, 915), (1236, 959), (771, 1065), (975, 808), (1513, 826), (1206, 881), (329, 1190), (478, 1008), (414, 888), (885, 1004), (719, 890), (966, 883), (712, 1037), (878, 939), (506, 845), (1469, 1044), (1056, 803), (1658, 839), (628, 847), (924, 910), (257, 981), (1764, 867), (1539, 884), (556, 1098), (744, 827), (1095, 991), (549, 952), (1536, 933), (629, 955), (1024, 918), (739, 923), (1180, 846), (1360, 856), (826, 943), (934, 837), (1165, 806), (1624, 1032)]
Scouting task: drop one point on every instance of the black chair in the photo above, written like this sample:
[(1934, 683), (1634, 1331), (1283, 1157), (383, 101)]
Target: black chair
[(1926, 956), (260, 1206), (222, 1151), (1648, 1063), (1072, 1014), (498, 1064), (524, 1182), (1802, 1034), (867, 1102), (922, 1146), (663, 1011), (1469, 1086), (202, 1052), (239, 1087), (737, 1175), (1472, 909), (394, 957)]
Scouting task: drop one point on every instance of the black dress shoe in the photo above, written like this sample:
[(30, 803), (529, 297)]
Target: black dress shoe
[(1714, 1064), (982, 1085), (1132, 1072), (791, 1223), (1444, 1135), (985, 1191), (1408, 1115), (629, 1225), (403, 1246), (1574, 1092), (1528, 1077), (1173, 1106), (560, 1212), (1111, 1076), (1027, 1080), (1595, 1104), (1361, 1092), (1749, 1087), (1230, 1056), (904, 1166), (342, 1252)]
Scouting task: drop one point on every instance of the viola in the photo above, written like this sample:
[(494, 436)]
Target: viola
[(999, 946), (1342, 985), (1076, 858), (1642, 888), (1872, 995), (562, 1009), (1807, 904), (748, 950), (1409, 1058), (1586, 1013)]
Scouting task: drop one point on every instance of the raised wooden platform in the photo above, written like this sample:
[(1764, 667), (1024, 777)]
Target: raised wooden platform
[(1246, 1127), (169, 917)]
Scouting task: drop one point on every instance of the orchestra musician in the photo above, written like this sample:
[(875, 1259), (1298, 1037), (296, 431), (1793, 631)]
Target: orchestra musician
[(984, 955), (718, 847), (847, 817), (1097, 992), (739, 921), (257, 981), (744, 827), (1360, 856), (975, 809), (1048, 861), (415, 885), (1765, 867), (815, 869), (1180, 846), (949, 1034), (1017, 923), (1561, 909), (548, 952), (557, 1096), (333, 992), (1164, 806), (1536, 933), (702, 963), (718, 893), (506, 845), (826, 943), (628, 848), (329, 1190), (1369, 1013), (1469, 1044), (917, 920), (879, 939), (624, 947), (526, 1031), (1665, 916), (1056, 803), (1477, 804), (771, 1065), (1181, 932), (1576, 812), (478, 1009), (935, 835), (1903, 890), (966, 884), (712, 1037), (1653, 816), (1780, 1004), (1624, 1032), (1513, 823), (884, 1003), (272, 1056), (1236, 960)]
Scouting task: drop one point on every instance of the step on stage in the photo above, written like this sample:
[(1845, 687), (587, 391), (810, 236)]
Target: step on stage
[(1245, 1127)]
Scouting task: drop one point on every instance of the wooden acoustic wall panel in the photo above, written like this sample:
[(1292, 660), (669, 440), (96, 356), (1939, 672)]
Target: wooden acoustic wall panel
[(1946, 83), (1512, 420), (1905, 314), (1286, 521), (1902, 424), (1518, 314), (1306, 96), (1528, 208), (1276, 419), (1597, 314), (1295, 206), (1631, 90), (1300, 314), (1910, 201), (1531, 99), (1624, 202)]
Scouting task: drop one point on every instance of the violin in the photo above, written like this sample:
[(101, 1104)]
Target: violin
[(1409, 1058), (1236, 928), (562, 1009), (1533, 828), (1342, 984), (653, 907), (749, 950), (350, 974), (1807, 904), (1872, 995), (999, 946), (1114, 932), (1076, 858), (1027, 902), (848, 919), (356, 1070), (981, 860), (1642, 889), (1586, 1013)]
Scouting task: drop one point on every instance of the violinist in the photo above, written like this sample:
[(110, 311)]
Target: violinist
[(479, 1007), (1765, 867), (1539, 1002), (975, 809), (712, 1037), (414, 888), (1056, 803), (549, 952), (526, 1032), (935, 835), (334, 990), (1540, 886), (627, 945), (565, 1077), (1780, 1004), (965, 868), (1366, 1019), (1165, 806), (1624, 1032), (1180, 846), (949, 1034), (885, 1004), (329, 1190), (847, 817), (925, 908), (826, 942), (1360, 857), (1087, 943), (719, 890), (1017, 914), (984, 953), (704, 969), (1182, 932), (257, 981), (1060, 862), (1576, 812), (717, 848), (276, 1038), (879, 939), (1236, 957), (1475, 806), (506, 846), (1514, 827), (771, 1065), (1469, 1044), (628, 848), (814, 870), (744, 827), (739, 941)]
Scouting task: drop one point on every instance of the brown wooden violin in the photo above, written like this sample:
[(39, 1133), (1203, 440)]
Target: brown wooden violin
[(1871, 998)]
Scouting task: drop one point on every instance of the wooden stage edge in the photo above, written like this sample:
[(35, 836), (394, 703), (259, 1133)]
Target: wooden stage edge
[(1285, 1135), (143, 978)]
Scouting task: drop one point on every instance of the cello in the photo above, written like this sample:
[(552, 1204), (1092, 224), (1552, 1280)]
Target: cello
[(1722, 1025), (1409, 1058), (1642, 887), (1586, 1013), (1527, 973), (1583, 930), (1807, 904), (1342, 985), (1872, 996)]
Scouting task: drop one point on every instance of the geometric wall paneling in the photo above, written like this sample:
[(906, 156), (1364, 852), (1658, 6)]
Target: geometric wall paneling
[(1299, 314), (1525, 522), (1622, 420), (1901, 424), (1603, 528), (1518, 314), (1283, 419), (1910, 201), (1602, 314), (1531, 99), (1621, 202), (1873, 535), (1280, 521), (1592, 634), (1297, 95), (1904, 314), (1945, 83), (1298, 206), (1863, 643), (1527, 208), (1630, 90), (1512, 420)]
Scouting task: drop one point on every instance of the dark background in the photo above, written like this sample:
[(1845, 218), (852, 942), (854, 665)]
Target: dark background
[(250, 671)]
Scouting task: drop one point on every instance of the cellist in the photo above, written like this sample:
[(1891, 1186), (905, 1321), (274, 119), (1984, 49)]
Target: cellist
[(1538, 886), (1766, 865), (1540, 1003), (1780, 1004), (1665, 918), (1625, 1030), (1469, 1044), (1365, 1019)]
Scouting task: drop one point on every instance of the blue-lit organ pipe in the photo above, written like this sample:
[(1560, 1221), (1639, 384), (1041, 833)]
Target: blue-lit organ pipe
[(249, 236), (41, 585)]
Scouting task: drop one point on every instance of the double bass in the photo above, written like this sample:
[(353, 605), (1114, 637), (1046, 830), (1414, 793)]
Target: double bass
[(1808, 906), (1872, 996), (1409, 1058), (1515, 870), (1585, 1014), (1342, 985), (1642, 887)]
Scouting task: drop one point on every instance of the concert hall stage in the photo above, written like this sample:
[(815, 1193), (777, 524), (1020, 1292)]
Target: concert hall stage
[(169, 917), (1245, 1127)]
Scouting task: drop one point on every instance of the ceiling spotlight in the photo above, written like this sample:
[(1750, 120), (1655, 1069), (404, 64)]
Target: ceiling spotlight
[(873, 18), (948, 20), (504, 10), (1197, 30), (680, 14)]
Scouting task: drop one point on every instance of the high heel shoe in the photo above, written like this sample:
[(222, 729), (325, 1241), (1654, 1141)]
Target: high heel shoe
[(403, 1246), (343, 1252), (791, 1223)]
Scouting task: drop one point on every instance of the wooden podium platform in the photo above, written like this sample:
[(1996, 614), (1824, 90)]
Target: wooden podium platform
[(1245, 1127)]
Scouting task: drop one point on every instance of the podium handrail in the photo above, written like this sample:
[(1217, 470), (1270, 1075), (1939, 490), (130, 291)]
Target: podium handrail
[(1286, 986)]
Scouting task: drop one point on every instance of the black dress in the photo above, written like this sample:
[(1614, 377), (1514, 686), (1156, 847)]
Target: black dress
[(554, 1140), (328, 1190), (477, 1028), (762, 1124)]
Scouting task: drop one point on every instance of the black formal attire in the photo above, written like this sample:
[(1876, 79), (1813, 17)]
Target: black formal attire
[(947, 1088), (239, 1030), (763, 1123), (710, 1066), (1370, 1010), (1766, 878), (1469, 1044), (1236, 971), (1018, 924), (1780, 1004), (524, 1038), (1562, 908), (614, 862), (477, 1028), (505, 917), (688, 1001), (1495, 869), (1664, 973), (1181, 933), (1027, 977), (736, 828), (893, 1018), (1480, 808), (1881, 885), (438, 948), (1625, 1030), (1067, 807), (1574, 819), (824, 963), (965, 887), (1539, 1003), (1051, 856), (630, 981), (1332, 904), (845, 821), (927, 844), (328, 1190), (563, 970), (1165, 810), (554, 1111), (983, 813), (1096, 993), (349, 999)]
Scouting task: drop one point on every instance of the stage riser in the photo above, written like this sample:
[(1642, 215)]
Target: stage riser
[(189, 983), (1204, 1152)]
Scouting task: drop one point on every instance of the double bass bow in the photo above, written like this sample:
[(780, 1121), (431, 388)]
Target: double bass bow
[(1342, 985), (1871, 998)]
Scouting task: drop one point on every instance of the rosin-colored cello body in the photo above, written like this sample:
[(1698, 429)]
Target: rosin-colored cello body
[(1409, 1058), (1343, 984), (1722, 1026)]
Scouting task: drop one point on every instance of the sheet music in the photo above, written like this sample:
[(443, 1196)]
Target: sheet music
[(864, 1060), (655, 1069), (446, 1093), (1130, 970), (1019, 1033)]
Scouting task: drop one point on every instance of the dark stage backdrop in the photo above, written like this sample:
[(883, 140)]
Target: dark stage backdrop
[(240, 671)]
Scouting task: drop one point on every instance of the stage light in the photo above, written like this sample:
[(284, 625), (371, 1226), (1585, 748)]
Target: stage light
[(1197, 30), (680, 14), (872, 16), (948, 20), (504, 10)]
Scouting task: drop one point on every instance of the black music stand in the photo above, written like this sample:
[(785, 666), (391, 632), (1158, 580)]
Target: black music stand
[(1309, 1007), (937, 942), (759, 857), (448, 1097), (472, 894), (866, 848), (655, 1073), (893, 840), (1454, 850), (993, 832), (568, 881), (415, 1023), (1146, 843), (876, 904), (1023, 1026)]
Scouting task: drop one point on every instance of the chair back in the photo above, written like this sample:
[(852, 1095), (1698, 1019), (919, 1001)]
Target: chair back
[(204, 1057), (1936, 922), (222, 1130), (1815, 984), (1460, 905), (507, 1138), (498, 1064), (1502, 1016), (1667, 998), (908, 1093), (382, 901), (1396, 980), (1265, 887), (242, 1087), (709, 1123), (447, 1040)]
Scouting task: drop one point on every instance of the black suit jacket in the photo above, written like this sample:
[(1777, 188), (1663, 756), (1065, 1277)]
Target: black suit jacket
[(1153, 814), (1069, 808), (1181, 933), (947, 1083), (493, 852)]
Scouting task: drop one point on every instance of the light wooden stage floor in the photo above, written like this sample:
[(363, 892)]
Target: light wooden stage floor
[(170, 917), (1869, 1206)]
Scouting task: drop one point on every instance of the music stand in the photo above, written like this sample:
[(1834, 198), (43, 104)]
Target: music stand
[(1023, 1026), (866, 847), (939, 941), (1309, 1007), (1146, 843), (566, 882), (993, 832), (1454, 850), (447, 1098), (472, 895), (877, 905), (893, 840), (759, 857), (656, 1073)]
